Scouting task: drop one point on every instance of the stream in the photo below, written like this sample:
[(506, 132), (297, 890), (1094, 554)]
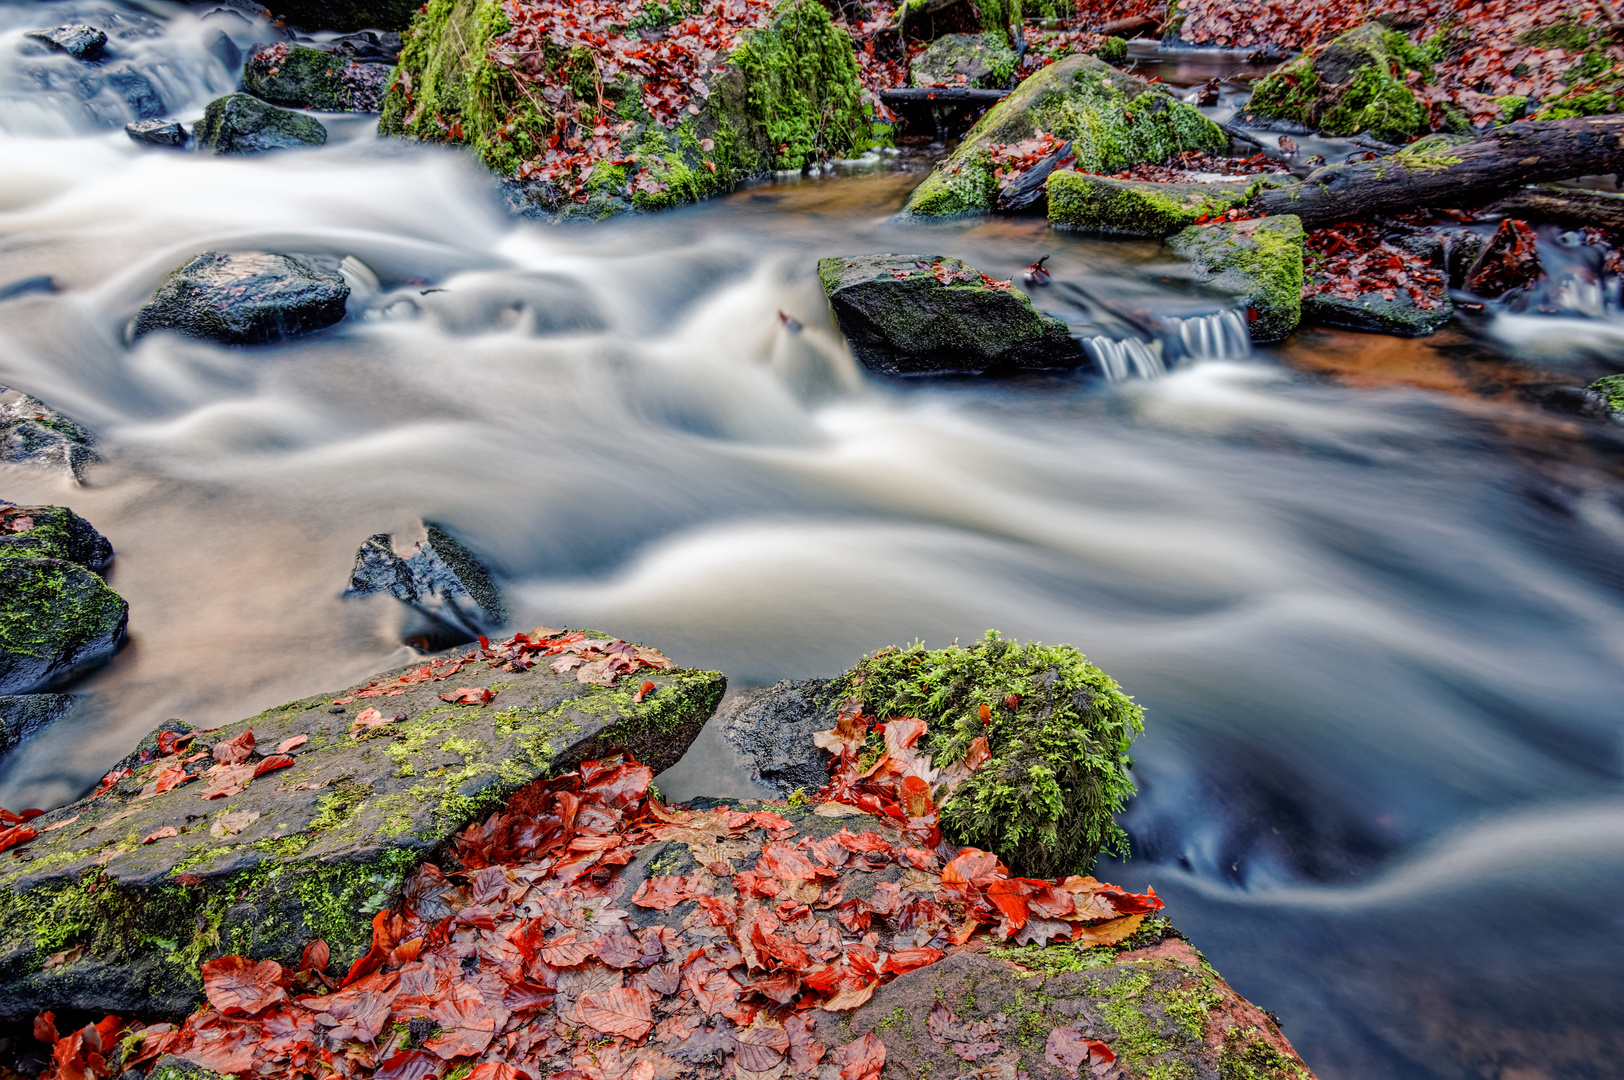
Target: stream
[(1367, 590)]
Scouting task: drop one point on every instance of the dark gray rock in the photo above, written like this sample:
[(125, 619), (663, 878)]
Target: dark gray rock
[(52, 532), (76, 39), (172, 1067), (1373, 312), (247, 298), (1462, 246), (242, 124), (166, 133), (929, 315), (440, 578), (21, 715), (33, 433), (771, 729), (138, 93), (369, 47), (57, 621), (348, 15), (306, 78)]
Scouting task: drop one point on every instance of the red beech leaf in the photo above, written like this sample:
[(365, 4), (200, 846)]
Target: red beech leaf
[(292, 742), (625, 1011), (468, 695), (316, 956), (864, 1058), (160, 834), (643, 691), (45, 1028), (272, 763), (1068, 1049), (235, 750), (238, 986)]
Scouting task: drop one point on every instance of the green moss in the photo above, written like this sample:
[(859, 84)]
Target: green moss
[(1058, 958), (1611, 389), (1570, 35), (1370, 95), (1291, 93), (1058, 771), (1113, 50), (1247, 1057), (1138, 208), (1431, 153), (1378, 103), (1261, 260), (986, 60)]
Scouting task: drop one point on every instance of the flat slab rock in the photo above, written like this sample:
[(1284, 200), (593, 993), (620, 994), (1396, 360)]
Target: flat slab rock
[(245, 298), (116, 900), (76, 39)]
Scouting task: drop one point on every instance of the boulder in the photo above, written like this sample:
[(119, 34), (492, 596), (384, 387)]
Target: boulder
[(439, 578), (33, 433), (771, 729), (52, 532), (928, 20), (57, 619), (240, 124), (1509, 263), (77, 40), (21, 715), (165, 133), (984, 61), (138, 93), (348, 15), (930, 315), (368, 47), (1374, 312), (245, 298), (1259, 260), (787, 96), (1350, 85), (1608, 392), (1111, 119), (307, 826), (305, 78), (1100, 204)]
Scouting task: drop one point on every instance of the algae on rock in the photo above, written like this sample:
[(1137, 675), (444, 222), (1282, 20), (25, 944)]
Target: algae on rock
[(1610, 390), (1111, 119), (1260, 260)]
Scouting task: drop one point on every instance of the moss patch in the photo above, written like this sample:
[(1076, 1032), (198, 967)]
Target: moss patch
[(1101, 204), (54, 617), (1611, 389), (1261, 260), (1351, 85)]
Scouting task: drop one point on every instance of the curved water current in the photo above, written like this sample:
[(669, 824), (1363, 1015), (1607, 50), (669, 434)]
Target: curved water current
[(1370, 599)]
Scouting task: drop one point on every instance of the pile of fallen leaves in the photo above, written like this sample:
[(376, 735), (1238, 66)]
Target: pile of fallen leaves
[(519, 963), (1353, 258), (1011, 161), (1196, 166)]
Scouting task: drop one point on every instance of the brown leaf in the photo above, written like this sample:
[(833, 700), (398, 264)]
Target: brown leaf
[(231, 822), (468, 695), (804, 1051), (850, 998), (1109, 933), (366, 720), (235, 750), (64, 958), (619, 950), (160, 834), (316, 957), (864, 1058), (625, 1011), (1068, 1049), (45, 1028), (238, 986)]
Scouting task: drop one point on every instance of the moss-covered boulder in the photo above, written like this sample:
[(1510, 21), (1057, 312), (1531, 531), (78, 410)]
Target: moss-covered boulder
[(241, 124), (984, 61), (1609, 392), (304, 78), (786, 97), (929, 315), (57, 619), (51, 532), (1156, 1005), (306, 828), (1111, 119), (33, 433), (1350, 85), (245, 298), (1259, 260), (1100, 204)]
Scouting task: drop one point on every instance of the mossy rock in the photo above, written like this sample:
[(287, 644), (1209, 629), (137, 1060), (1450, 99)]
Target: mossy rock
[(57, 620), (1348, 86), (929, 315), (1100, 204), (984, 60), (52, 532), (33, 433), (1112, 120), (309, 851), (1375, 313), (245, 298), (241, 124), (928, 20), (1609, 389), (788, 97), (1260, 260), (1154, 1001), (304, 78)]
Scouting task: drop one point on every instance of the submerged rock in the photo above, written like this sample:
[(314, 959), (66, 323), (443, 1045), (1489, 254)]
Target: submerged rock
[(51, 532), (929, 315), (1112, 121), (33, 433), (1508, 263), (346, 802), (305, 78), (1374, 312), (22, 715), (77, 40), (166, 133), (440, 578), (1260, 260), (57, 620), (1346, 87), (245, 298), (241, 124), (1100, 204), (980, 60)]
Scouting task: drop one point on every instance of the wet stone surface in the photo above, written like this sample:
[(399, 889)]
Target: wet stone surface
[(246, 298)]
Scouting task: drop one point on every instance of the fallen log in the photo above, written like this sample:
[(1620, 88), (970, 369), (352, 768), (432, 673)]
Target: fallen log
[(942, 94), (1562, 206), (1439, 175)]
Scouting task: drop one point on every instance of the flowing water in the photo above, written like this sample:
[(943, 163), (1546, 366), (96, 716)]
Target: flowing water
[(1369, 596)]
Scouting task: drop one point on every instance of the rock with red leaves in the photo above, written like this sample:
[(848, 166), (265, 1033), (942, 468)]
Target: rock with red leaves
[(1511, 261)]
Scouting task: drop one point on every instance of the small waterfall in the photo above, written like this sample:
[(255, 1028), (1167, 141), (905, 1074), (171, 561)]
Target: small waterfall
[(1126, 358), (1220, 335)]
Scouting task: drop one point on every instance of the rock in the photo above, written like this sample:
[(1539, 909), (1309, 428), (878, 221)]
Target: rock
[(173, 1067), (925, 315), (927, 20), (1099, 204), (348, 15), (1461, 247), (306, 78), (1260, 260), (1608, 392), (368, 47), (1018, 1011), (984, 61), (240, 124), (76, 39), (138, 93), (309, 851), (771, 728), (1347, 86), (1081, 100), (787, 98), (246, 298), (166, 133), (441, 578), (57, 620), (21, 715), (33, 433), (52, 532), (1510, 261), (1375, 313)]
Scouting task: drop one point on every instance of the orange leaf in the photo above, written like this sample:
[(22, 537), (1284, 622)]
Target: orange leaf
[(238, 986), (235, 750), (625, 1011), (864, 1058), (900, 963), (166, 831), (468, 695), (292, 742), (566, 950), (272, 763), (643, 691)]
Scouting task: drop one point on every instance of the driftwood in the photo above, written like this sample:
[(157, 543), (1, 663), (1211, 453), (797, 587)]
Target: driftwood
[(1470, 174), (945, 94), (1563, 206)]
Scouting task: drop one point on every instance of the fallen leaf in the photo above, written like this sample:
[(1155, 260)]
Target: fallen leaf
[(365, 721), (468, 695), (315, 957), (160, 834), (624, 1011), (1068, 1049), (238, 986), (63, 959), (235, 750), (231, 822), (643, 691), (272, 763), (292, 742), (864, 1058)]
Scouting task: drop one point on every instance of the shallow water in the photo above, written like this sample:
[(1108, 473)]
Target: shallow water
[(1368, 594)]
